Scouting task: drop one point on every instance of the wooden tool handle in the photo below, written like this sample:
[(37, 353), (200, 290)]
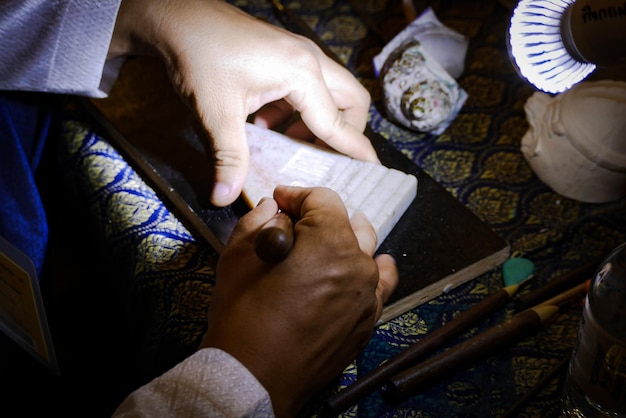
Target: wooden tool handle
[(455, 358), (274, 241), (418, 351), (559, 284)]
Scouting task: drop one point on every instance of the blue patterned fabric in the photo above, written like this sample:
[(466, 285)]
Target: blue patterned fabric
[(24, 122), (165, 273), (477, 159)]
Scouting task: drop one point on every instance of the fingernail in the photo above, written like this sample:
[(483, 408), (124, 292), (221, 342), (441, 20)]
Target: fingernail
[(261, 123), (362, 214), (221, 191)]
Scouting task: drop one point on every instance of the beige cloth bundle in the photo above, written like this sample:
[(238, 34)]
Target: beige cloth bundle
[(576, 143)]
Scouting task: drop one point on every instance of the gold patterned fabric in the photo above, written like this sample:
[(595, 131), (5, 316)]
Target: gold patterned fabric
[(477, 159), (166, 274)]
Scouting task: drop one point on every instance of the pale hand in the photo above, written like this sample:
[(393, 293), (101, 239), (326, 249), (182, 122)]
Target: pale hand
[(227, 65)]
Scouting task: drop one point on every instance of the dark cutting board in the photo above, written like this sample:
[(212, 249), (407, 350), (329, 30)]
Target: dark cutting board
[(438, 243)]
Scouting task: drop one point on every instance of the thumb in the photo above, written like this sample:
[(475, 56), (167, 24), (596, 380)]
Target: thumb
[(364, 231), (232, 158)]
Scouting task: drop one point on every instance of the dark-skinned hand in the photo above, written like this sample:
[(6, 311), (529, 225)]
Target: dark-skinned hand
[(298, 323)]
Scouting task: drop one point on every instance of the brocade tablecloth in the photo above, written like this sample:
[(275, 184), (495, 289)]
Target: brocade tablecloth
[(170, 273)]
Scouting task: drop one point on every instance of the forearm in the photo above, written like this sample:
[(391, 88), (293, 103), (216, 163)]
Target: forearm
[(174, 30), (58, 47)]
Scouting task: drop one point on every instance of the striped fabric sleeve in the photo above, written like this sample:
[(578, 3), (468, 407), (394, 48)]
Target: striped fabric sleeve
[(210, 383), (57, 46)]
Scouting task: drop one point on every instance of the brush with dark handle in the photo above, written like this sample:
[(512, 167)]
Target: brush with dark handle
[(274, 241), (445, 364)]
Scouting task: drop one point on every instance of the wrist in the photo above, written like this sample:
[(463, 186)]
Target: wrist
[(139, 28), (287, 398)]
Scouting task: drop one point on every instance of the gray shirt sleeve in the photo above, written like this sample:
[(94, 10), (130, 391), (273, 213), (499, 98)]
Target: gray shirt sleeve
[(57, 46), (210, 383)]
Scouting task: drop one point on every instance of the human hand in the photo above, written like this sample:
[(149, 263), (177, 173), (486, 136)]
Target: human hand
[(227, 65), (297, 324)]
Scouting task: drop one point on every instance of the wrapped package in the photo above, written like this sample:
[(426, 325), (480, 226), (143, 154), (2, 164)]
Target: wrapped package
[(576, 140), (416, 73)]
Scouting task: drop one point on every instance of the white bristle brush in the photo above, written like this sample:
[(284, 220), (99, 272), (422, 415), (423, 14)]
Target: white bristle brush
[(538, 48)]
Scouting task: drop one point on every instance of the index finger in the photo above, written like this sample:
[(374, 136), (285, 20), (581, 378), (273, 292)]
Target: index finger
[(334, 106), (301, 202), (387, 269), (387, 281), (365, 233)]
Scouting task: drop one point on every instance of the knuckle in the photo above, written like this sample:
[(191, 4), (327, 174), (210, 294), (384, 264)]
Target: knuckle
[(228, 158)]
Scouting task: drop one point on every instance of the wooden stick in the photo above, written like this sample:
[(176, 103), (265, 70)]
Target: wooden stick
[(439, 337), (559, 284), (274, 241), (426, 346), (558, 300), (567, 296), (449, 362)]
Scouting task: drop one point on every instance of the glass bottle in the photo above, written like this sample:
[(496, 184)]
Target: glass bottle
[(595, 385)]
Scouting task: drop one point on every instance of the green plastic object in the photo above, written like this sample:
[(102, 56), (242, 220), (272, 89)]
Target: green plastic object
[(517, 269)]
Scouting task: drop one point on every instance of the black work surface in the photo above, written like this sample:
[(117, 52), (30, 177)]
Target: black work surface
[(438, 243)]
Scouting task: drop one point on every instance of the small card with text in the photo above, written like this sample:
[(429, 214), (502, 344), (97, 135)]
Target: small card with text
[(22, 313)]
